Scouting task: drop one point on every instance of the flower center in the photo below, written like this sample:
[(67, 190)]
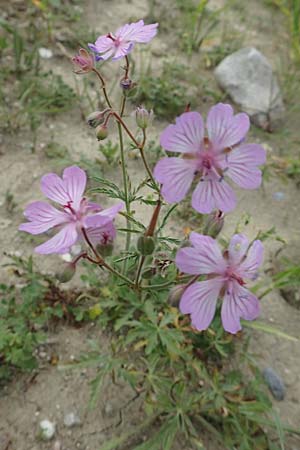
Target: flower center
[(231, 275)]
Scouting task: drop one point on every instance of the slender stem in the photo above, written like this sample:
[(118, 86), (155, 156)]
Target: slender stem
[(138, 274), (103, 86), (125, 184), (100, 261), (158, 286), (121, 122)]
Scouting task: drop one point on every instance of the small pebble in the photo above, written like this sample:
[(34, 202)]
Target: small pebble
[(45, 53), (71, 420), (279, 196), (47, 429), (274, 383)]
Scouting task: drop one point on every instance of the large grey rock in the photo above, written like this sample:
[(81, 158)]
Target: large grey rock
[(248, 78)]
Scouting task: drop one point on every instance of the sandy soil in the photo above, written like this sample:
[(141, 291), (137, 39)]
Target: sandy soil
[(51, 393)]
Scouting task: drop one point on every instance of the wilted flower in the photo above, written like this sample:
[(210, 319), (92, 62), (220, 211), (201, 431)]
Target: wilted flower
[(122, 42), (222, 153), (97, 117), (83, 62), (143, 117), (76, 213), (225, 278)]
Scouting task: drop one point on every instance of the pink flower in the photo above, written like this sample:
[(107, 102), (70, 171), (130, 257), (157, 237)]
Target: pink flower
[(75, 213), (225, 277), (122, 42), (83, 62), (222, 152)]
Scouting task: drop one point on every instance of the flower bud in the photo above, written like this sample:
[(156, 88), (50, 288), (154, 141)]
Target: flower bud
[(143, 117), (127, 84), (96, 118), (67, 273), (175, 294), (214, 224), (101, 132), (145, 245)]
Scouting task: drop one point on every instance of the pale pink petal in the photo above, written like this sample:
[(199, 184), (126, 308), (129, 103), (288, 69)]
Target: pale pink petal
[(213, 194), (103, 217), (94, 207), (176, 176), (209, 249), (61, 242), (144, 34), (42, 217), (75, 182), (200, 300), (102, 235), (200, 261), (242, 165), (237, 248), (225, 129), (54, 188), (254, 259), (238, 303), (122, 50), (186, 135), (103, 44)]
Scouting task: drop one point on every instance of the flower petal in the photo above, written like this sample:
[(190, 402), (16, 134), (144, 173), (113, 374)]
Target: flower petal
[(54, 188), (200, 300), (238, 303), (102, 235), (176, 175), (122, 50), (186, 135), (42, 217), (209, 249), (225, 129), (213, 194), (242, 165), (237, 248), (137, 32), (103, 217), (75, 182), (254, 259), (198, 261), (61, 242)]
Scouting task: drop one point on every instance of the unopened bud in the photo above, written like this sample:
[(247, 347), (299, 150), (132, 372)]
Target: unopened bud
[(214, 224), (145, 245), (127, 84), (96, 118), (67, 273), (175, 294), (105, 249), (101, 132), (143, 117)]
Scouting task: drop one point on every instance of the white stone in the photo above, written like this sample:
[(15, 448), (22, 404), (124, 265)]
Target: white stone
[(47, 429), (247, 76)]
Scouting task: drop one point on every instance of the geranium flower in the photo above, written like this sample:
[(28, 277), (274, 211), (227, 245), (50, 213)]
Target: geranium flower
[(221, 153), (75, 213), (226, 276), (123, 40)]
